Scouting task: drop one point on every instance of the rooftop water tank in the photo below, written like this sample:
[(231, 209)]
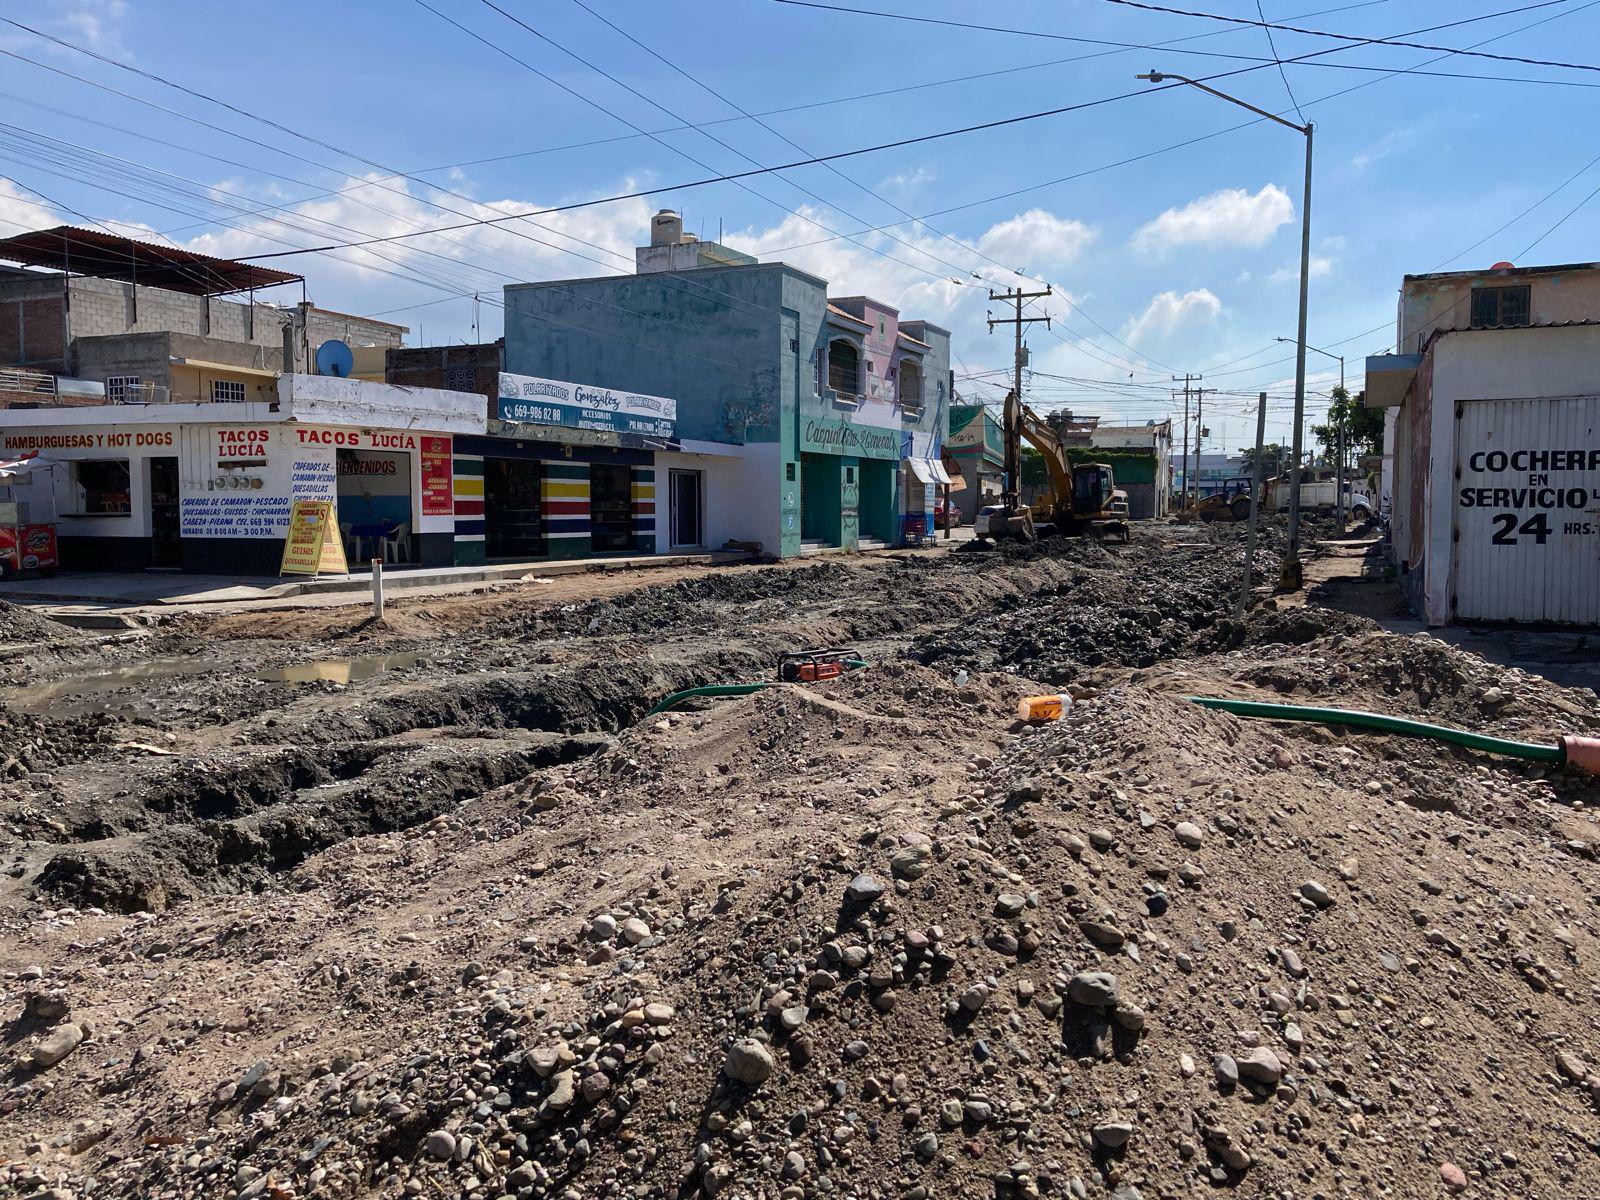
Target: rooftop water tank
[(666, 228)]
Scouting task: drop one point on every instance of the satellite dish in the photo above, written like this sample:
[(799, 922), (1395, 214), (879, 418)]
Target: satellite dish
[(1501, 266), (334, 358)]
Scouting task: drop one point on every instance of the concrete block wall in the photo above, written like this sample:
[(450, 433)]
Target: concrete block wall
[(323, 324), (33, 327), (101, 307)]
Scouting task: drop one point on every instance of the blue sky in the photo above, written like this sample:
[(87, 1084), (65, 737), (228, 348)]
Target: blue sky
[(1184, 260)]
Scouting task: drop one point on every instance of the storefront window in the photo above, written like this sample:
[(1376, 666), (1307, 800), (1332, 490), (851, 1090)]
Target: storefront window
[(103, 487), (611, 507)]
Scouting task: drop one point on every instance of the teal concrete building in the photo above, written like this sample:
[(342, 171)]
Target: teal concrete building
[(801, 423)]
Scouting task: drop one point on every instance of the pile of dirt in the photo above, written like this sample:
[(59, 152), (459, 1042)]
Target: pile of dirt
[(1297, 624), (20, 625), (1130, 606), (867, 938), (478, 927)]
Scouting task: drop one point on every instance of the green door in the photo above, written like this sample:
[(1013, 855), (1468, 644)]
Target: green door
[(819, 498)]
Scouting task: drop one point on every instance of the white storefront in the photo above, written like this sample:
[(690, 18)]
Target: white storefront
[(1496, 467), (208, 487)]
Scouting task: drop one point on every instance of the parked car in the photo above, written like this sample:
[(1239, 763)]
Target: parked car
[(987, 514), (945, 518)]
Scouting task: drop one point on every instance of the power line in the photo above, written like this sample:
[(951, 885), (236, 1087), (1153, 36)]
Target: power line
[(679, 285), (735, 175), (1386, 72), (918, 139), (1283, 75), (1559, 223), (1536, 204), (848, 179), (1345, 37), (667, 145)]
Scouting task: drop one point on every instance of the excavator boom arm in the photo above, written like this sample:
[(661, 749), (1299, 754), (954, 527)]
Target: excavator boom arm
[(1042, 438)]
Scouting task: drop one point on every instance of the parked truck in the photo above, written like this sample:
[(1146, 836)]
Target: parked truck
[(1321, 495), (1232, 501)]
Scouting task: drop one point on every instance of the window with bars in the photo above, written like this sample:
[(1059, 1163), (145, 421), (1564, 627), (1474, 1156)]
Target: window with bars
[(1492, 306), (844, 369), (225, 390), (123, 389), (910, 384)]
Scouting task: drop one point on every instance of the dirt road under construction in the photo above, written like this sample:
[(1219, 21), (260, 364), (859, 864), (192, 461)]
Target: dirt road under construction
[(298, 905)]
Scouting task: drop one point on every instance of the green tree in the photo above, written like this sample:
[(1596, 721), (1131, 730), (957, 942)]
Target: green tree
[(1274, 458), (1362, 426)]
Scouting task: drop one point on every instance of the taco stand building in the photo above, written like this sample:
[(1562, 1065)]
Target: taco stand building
[(208, 487), (760, 415)]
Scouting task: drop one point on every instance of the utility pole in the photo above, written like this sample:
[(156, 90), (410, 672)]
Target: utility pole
[(1013, 414), (1255, 504), (1199, 432), (1187, 479)]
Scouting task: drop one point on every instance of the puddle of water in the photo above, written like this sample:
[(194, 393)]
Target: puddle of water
[(340, 670), (40, 698)]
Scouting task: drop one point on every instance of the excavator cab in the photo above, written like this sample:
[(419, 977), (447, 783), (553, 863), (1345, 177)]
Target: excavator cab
[(1093, 487)]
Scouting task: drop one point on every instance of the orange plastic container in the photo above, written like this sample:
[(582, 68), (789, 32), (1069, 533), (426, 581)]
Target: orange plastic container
[(1035, 709)]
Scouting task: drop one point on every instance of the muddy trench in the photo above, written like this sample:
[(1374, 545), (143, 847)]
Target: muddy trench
[(268, 758)]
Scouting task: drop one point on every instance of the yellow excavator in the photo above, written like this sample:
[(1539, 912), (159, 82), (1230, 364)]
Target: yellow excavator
[(1082, 498)]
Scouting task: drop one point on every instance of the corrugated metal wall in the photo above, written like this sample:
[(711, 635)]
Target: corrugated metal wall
[(1527, 511)]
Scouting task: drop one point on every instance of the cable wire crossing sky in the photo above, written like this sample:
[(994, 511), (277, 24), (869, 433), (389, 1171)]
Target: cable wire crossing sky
[(923, 156)]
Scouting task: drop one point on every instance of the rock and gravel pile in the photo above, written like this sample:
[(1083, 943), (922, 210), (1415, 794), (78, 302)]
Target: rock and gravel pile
[(869, 938), (1118, 605), (20, 625)]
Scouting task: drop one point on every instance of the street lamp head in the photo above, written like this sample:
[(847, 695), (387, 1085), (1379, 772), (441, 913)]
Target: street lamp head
[(1152, 77)]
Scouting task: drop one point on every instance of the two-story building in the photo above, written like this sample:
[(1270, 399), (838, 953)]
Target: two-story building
[(1141, 456), (157, 323), (976, 444), (796, 422), (1492, 443)]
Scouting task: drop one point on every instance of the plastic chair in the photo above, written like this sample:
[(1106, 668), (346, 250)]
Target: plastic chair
[(352, 544), (397, 545)]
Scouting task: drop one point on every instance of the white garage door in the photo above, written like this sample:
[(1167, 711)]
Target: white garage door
[(1527, 511)]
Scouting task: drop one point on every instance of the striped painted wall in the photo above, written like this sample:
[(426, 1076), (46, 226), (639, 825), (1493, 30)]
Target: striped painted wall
[(644, 510), (564, 494), (468, 490)]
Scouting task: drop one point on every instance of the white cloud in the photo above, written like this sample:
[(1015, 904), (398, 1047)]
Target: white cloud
[(1384, 146), (374, 280), (21, 210), (1036, 242), (96, 22), (1170, 315), (1320, 265), (1231, 217), (907, 180)]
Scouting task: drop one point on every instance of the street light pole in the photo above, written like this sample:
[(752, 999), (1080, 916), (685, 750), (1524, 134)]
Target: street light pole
[(1338, 432), (1339, 442), (1289, 575)]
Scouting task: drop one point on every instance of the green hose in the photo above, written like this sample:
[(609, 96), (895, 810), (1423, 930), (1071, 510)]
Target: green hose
[(1387, 724), (712, 689), (728, 689)]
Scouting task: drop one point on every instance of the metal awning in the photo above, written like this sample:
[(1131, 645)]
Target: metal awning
[(1389, 378), (108, 256), (206, 365), (928, 470)]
